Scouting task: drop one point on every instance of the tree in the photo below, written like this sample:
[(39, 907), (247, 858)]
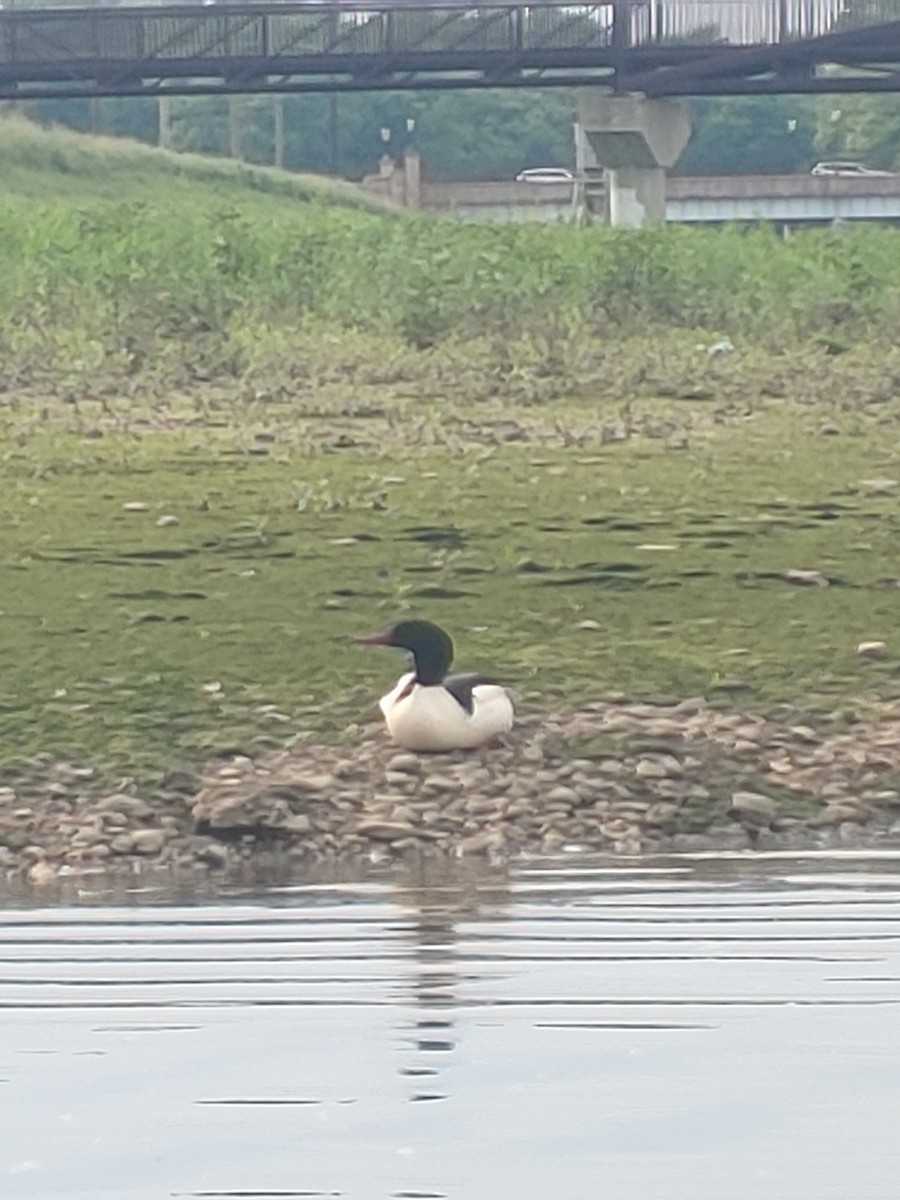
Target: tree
[(461, 135), (750, 135), (859, 127), (129, 117), (493, 134)]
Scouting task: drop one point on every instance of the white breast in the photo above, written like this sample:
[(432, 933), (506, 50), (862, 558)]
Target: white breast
[(430, 719)]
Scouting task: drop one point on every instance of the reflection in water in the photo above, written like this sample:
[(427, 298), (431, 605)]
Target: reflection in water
[(439, 897), (685, 1029)]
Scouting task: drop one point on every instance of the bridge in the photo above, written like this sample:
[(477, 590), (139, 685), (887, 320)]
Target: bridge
[(655, 47), (783, 201), (786, 201)]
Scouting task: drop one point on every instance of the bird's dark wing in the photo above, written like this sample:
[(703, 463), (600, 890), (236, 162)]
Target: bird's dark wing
[(460, 688)]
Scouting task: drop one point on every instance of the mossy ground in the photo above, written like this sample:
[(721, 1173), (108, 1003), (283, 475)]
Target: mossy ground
[(575, 552)]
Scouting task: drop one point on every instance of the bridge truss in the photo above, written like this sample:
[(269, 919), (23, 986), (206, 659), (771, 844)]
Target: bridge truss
[(659, 47)]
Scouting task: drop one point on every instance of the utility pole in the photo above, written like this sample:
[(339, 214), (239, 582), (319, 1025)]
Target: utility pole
[(234, 126), (333, 131), (278, 115), (164, 122)]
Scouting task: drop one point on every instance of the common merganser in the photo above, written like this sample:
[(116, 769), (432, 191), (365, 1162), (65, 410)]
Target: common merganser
[(429, 710)]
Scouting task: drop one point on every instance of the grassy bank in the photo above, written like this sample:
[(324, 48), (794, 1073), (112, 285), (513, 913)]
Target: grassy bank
[(239, 428), (121, 260), (46, 164)]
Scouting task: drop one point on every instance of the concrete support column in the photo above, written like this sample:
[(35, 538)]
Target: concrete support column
[(637, 195), (278, 129), (235, 126), (412, 179), (635, 140), (164, 110)]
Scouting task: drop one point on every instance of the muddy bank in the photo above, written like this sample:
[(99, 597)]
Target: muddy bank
[(624, 778)]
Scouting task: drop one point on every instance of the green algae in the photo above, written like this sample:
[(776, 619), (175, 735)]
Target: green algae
[(573, 568)]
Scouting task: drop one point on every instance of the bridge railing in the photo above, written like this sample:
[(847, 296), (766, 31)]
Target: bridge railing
[(297, 36), (363, 26)]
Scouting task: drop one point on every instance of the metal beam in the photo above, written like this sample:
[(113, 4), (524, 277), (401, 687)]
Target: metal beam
[(279, 46)]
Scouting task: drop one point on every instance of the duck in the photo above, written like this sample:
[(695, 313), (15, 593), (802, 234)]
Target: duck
[(429, 710)]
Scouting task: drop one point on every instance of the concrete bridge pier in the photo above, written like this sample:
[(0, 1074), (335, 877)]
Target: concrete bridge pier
[(635, 140)]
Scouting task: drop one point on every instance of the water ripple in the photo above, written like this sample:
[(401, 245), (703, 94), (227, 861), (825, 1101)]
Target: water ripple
[(684, 1029)]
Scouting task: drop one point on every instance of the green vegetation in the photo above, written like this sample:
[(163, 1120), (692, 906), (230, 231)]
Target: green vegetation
[(239, 428), (493, 134), (204, 268), (865, 127), (462, 135), (770, 135), (56, 164)]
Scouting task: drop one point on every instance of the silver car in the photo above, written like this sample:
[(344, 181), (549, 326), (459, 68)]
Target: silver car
[(846, 168)]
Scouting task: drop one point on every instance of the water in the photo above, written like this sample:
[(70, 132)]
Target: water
[(697, 1028)]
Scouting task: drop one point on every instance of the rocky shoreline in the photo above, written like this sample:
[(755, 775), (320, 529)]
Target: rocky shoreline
[(616, 777)]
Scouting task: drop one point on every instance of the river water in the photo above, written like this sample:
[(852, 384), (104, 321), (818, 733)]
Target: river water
[(705, 1028)]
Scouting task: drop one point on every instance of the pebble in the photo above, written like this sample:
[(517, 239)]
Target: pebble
[(836, 814), (612, 766), (478, 843), (889, 797), (398, 779), (878, 487), (742, 746), (385, 831), (833, 791), (41, 874), (647, 768), (409, 764), (806, 578), (754, 805), (148, 841), (322, 802), (661, 814), (482, 805), (566, 795), (213, 854), (132, 807), (297, 823), (849, 831), (805, 733), (872, 650), (315, 783), (616, 829), (135, 506), (442, 783), (167, 519)]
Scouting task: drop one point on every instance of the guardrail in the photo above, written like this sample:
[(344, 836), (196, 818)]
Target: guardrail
[(318, 45)]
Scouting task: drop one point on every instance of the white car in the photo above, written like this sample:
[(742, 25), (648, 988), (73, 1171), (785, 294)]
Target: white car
[(846, 168), (545, 175)]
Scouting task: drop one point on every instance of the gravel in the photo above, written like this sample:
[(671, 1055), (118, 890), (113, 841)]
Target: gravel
[(618, 777)]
